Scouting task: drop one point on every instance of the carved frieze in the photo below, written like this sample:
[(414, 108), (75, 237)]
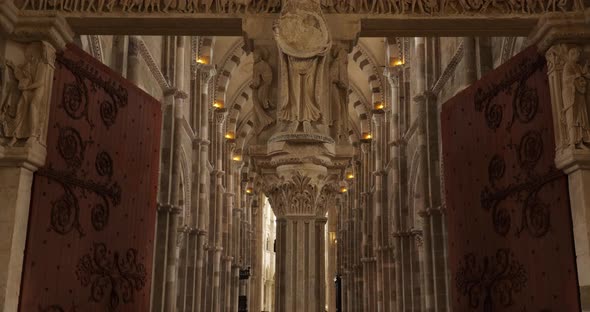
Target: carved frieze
[(249, 7)]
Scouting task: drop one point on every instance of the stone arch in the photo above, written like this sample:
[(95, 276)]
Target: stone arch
[(231, 61), (369, 66), (240, 100), (205, 47), (360, 105)]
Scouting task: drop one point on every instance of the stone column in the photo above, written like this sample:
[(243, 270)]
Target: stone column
[(218, 208), (380, 214), (566, 41), (469, 62), (134, 60), (202, 75), (119, 54), (299, 195), (38, 38)]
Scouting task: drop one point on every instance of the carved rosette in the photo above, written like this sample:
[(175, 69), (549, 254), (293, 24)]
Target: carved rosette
[(300, 195)]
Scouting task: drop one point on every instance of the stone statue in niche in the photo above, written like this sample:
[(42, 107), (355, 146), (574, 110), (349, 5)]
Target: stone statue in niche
[(339, 92), (21, 107), (575, 99), (304, 42), (261, 89)]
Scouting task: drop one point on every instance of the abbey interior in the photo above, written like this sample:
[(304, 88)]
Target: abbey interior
[(294, 155)]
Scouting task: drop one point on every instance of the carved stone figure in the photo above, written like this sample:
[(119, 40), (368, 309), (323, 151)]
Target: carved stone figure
[(339, 92), (304, 41), (20, 109), (261, 89), (575, 99)]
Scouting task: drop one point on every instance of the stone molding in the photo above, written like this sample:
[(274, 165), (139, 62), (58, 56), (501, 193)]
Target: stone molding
[(449, 70), (239, 8), (144, 52), (560, 28)]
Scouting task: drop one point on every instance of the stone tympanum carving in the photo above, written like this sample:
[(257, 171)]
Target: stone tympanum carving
[(261, 89), (575, 99), (304, 41), (339, 92), (22, 108)]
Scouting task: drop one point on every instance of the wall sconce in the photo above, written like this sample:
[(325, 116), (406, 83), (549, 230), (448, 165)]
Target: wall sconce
[(333, 237), (237, 157), (218, 104), (379, 106), (395, 61), (367, 137), (230, 135), (349, 176), (249, 191), (202, 60), (343, 189)]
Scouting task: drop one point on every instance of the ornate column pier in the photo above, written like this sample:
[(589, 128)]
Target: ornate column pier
[(566, 43), (299, 196), (22, 153)]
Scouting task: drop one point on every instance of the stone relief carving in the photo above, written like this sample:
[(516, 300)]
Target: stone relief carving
[(261, 89), (339, 93), (304, 42), (575, 99), (300, 194), (397, 7), (22, 104)]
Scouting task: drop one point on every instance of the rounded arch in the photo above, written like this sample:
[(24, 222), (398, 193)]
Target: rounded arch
[(231, 61), (369, 66)]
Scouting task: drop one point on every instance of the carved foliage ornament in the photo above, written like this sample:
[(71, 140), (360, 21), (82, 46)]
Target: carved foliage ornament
[(389, 7), (299, 195)]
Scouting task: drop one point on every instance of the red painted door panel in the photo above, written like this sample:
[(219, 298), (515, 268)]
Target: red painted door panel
[(92, 219), (509, 223)]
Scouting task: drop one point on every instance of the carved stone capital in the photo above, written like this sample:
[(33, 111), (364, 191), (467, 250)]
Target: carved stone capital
[(220, 116), (207, 72), (305, 190)]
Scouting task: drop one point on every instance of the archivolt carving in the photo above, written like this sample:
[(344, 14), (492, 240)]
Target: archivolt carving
[(389, 7)]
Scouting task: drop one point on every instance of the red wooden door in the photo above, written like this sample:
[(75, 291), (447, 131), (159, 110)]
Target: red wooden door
[(92, 219), (509, 223)]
